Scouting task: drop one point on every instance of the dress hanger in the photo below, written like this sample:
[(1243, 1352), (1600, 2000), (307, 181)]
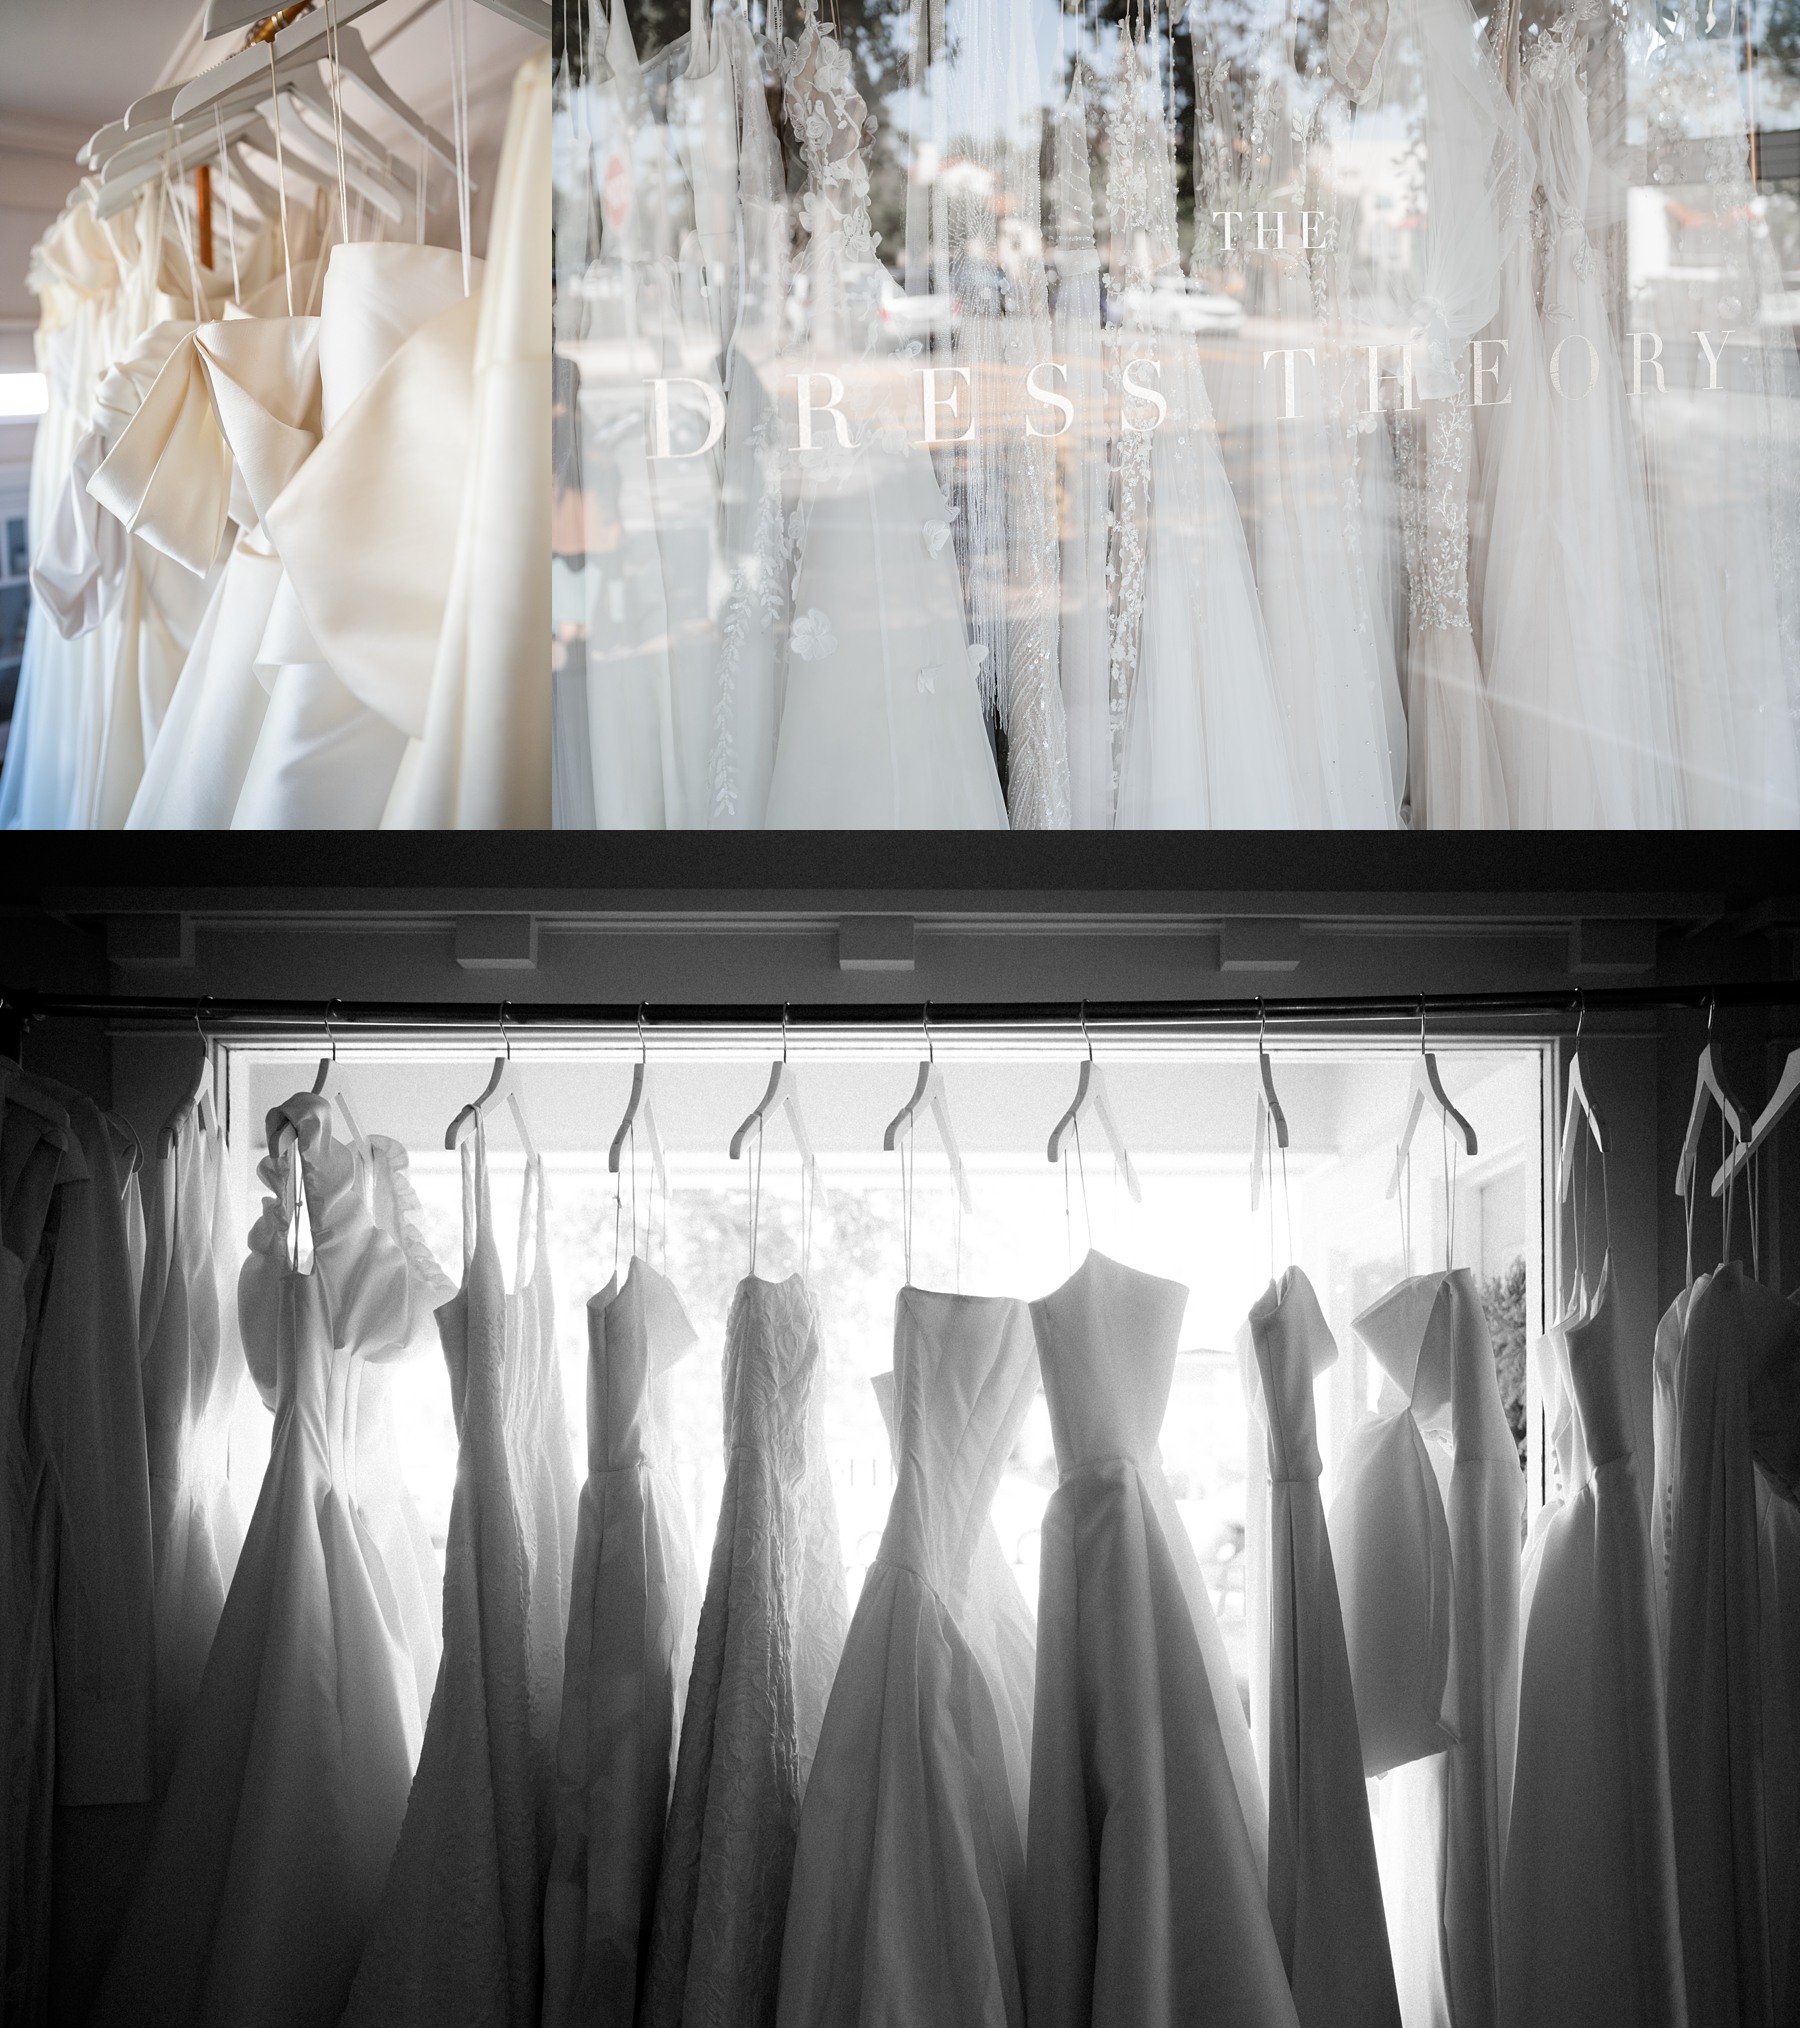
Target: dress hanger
[(503, 1083), (930, 1093), (197, 1095), (222, 16), (1579, 1107), (638, 1107), (1090, 1097), (1709, 1084), (328, 1085), (1781, 1100), (1269, 1116), (783, 1095), (1426, 1088)]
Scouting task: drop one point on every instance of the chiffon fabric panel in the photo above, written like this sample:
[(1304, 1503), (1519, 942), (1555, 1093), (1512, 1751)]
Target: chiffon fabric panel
[(1734, 1365), (1145, 1888), (630, 1645), (1441, 1825), (458, 1933), (483, 755), (1590, 1930), (1324, 1885), (771, 1631), (291, 1780), (192, 1361), (909, 1870)]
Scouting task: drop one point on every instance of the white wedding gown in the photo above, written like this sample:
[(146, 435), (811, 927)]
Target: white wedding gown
[(1288, 461), (908, 1881), (881, 723), (1146, 1854), (192, 1360), (1324, 1885), (1589, 1928), (630, 1647), (458, 1935), (1435, 1657), (292, 1776), (771, 1631), (1205, 744), (1731, 1537)]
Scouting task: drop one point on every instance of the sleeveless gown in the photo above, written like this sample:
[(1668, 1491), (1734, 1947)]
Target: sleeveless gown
[(1146, 1854), (458, 1933), (908, 1881), (291, 1780), (630, 1646), (1441, 1818), (771, 1630), (1589, 1929), (1324, 1885)]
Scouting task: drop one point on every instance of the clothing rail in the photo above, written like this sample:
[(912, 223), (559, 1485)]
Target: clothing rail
[(218, 1017)]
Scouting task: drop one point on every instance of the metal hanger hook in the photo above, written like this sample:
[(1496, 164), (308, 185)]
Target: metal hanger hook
[(925, 1023), (505, 1032), (1262, 1027), (1712, 1007), (1421, 1024), (784, 1034), (1085, 1036), (1580, 1014), (643, 1047)]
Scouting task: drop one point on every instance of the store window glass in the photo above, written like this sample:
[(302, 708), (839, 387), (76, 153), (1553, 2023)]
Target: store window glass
[(1368, 413), (1187, 1118)]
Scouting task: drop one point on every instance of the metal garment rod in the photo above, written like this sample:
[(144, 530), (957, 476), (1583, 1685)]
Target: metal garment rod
[(1142, 1016)]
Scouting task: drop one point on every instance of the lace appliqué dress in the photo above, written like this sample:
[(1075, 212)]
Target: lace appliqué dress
[(458, 1935), (771, 1630), (291, 1781), (630, 1646), (907, 1896), (1147, 1847)]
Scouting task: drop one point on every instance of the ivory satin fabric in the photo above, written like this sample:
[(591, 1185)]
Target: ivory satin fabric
[(907, 1897), (1324, 1885), (479, 752), (1146, 1851)]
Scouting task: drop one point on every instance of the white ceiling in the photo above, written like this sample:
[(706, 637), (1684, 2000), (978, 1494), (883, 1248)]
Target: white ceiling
[(81, 62)]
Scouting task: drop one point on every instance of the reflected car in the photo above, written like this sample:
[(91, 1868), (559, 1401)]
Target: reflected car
[(1173, 302)]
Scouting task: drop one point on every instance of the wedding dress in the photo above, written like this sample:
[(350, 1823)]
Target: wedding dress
[(1596, 488), (909, 1867), (481, 758), (1441, 1817), (458, 1934), (651, 638), (1589, 1928), (291, 1780), (630, 1647), (232, 416), (40, 1159), (1091, 725), (770, 1634), (1146, 1854), (1735, 1805), (355, 618), (881, 721), (1722, 470), (998, 467), (1204, 744), (192, 1360), (1324, 1887), (1284, 450)]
